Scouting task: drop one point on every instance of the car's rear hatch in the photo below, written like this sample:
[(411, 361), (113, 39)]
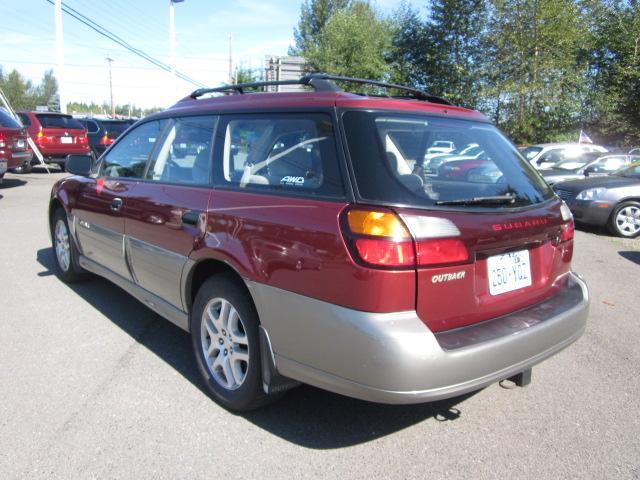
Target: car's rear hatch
[(61, 133), (484, 248), (13, 137)]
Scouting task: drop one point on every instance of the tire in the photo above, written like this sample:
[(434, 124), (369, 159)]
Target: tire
[(65, 253), (24, 168), (235, 382), (625, 220)]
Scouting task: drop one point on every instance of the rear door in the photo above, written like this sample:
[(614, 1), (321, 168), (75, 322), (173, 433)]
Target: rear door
[(103, 201), (166, 212)]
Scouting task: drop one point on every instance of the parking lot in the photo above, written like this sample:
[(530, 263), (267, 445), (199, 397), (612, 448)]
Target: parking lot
[(93, 384)]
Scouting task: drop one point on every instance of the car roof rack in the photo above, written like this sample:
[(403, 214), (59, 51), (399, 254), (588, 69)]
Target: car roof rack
[(323, 82)]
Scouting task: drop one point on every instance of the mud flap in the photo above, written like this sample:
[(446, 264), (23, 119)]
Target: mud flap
[(272, 381)]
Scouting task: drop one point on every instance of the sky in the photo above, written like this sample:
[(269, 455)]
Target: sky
[(257, 28)]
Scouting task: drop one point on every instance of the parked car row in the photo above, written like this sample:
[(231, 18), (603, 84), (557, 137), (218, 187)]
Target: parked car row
[(57, 135)]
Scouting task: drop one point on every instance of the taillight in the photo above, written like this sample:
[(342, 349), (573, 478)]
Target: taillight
[(105, 140), (567, 230), (380, 239), (441, 251), (383, 239), (3, 140), (41, 138), (83, 140)]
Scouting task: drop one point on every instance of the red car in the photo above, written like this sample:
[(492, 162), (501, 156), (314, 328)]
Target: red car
[(56, 136), (14, 148), (291, 240)]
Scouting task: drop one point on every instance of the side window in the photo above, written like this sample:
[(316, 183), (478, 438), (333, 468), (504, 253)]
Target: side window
[(612, 163), (129, 156), (185, 153), (92, 127), (281, 153), (24, 118)]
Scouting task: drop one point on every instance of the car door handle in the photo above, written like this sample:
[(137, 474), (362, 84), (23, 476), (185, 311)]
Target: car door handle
[(116, 204), (191, 217)]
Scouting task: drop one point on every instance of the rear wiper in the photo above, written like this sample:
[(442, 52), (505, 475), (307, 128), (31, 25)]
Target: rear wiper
[(494, 200)]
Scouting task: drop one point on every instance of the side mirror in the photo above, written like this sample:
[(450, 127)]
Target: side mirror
[(592, 169), (79, 165)]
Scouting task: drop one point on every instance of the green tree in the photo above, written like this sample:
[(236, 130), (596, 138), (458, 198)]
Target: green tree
[(612, 107), (18, 90), (534, 78), (246, 75), (409, 47), (47, 91), (314, 15), (354, 42)]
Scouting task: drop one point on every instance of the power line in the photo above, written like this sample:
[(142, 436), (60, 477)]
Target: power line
[(123, 43)]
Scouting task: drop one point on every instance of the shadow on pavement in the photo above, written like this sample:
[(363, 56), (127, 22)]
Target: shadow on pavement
[(11, 182), (305, 416), (632, 255)]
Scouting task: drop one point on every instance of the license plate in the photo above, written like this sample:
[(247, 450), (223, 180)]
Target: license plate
[(66, 140), (3, 166), (509, 272)]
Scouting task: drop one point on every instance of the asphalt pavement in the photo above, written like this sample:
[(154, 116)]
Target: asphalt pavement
[(95, 385)]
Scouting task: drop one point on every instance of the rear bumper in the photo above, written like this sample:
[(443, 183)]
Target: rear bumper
[(395, 358), (59, 155)]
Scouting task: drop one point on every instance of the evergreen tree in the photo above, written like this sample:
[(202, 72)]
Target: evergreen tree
[(612, 107), (534, 76)]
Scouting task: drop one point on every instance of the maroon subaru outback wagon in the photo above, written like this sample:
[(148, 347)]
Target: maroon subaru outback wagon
[(297, 237)]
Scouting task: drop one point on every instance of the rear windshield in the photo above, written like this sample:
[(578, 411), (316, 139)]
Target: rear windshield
[(7, 121), (394, 161), (48, 120), (114, 129)]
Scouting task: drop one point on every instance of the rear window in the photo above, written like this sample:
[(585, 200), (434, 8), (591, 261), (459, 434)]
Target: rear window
[(48, 120), (394, 161), (115, 129), (7, 121)]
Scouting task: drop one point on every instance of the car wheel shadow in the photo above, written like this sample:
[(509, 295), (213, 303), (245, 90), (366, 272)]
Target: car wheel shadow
[(632, 255), (306, 416), (11, 183)]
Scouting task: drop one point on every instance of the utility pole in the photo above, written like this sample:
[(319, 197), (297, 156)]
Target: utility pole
[(57, 17), (230, 61), (172, 44), (113, 107)]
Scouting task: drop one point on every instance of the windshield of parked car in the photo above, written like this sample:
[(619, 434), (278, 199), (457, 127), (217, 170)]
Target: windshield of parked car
[(530, 152), (572, 165), (390, 158), (48, 120), (7, 121)]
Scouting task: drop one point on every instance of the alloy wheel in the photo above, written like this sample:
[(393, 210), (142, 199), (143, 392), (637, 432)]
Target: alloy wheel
[(224, 342), (63, 251)]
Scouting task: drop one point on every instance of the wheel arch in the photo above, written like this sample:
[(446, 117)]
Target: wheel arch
[(203, 269), (54, 205)]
